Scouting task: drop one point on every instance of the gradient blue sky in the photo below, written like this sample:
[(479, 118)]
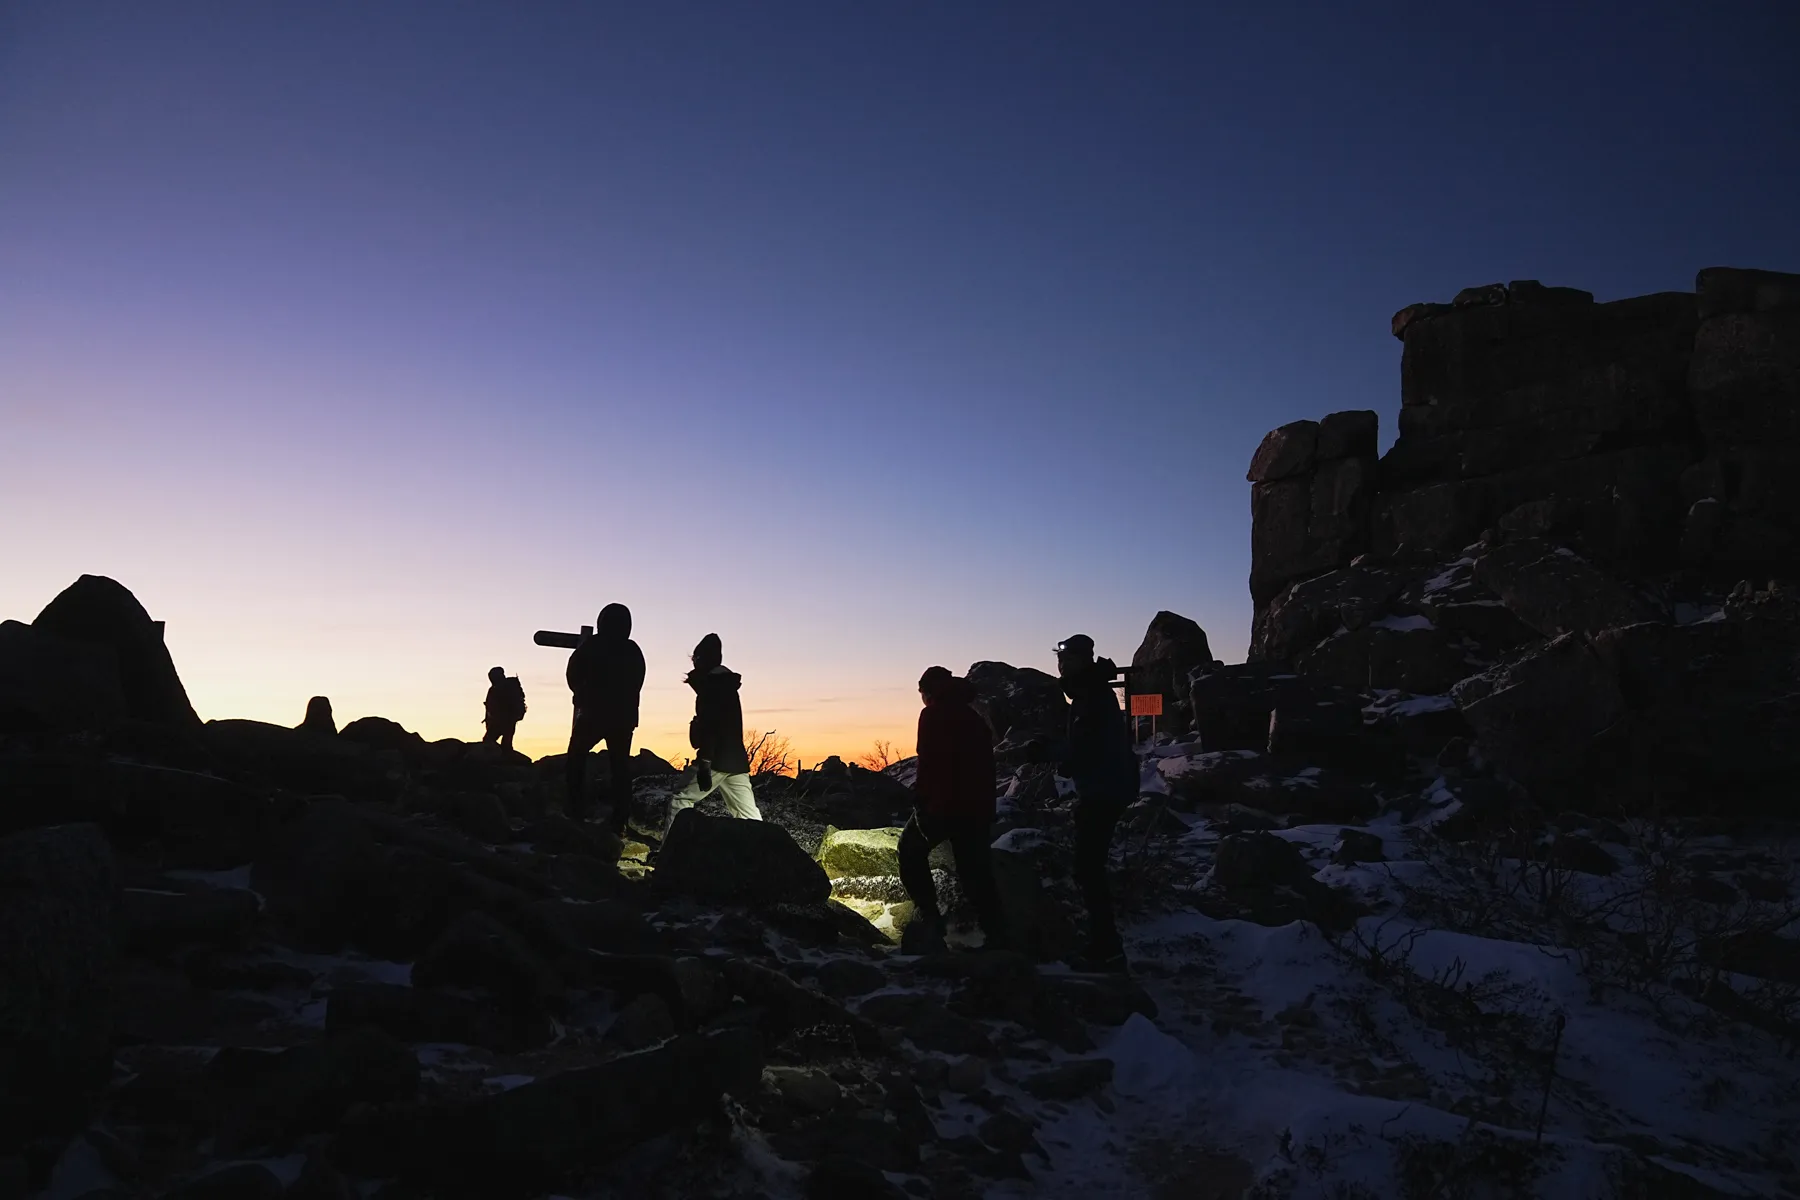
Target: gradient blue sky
[(361, 340)]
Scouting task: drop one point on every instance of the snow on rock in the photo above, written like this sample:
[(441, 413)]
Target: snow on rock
[(1146, 1060)]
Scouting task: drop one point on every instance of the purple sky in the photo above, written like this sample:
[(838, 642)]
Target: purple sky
[(361, 340)]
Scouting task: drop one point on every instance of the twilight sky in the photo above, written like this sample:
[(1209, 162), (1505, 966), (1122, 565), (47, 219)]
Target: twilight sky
[(362, 340)]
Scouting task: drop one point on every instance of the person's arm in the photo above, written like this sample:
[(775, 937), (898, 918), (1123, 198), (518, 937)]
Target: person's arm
[(928, 782)]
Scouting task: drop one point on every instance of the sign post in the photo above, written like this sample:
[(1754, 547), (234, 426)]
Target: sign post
[(1149, 704)]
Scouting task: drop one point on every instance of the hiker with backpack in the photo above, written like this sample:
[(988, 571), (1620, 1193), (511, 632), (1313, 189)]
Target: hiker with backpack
[(505, 706)]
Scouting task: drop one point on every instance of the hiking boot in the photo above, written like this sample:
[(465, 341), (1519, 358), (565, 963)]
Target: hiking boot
[(923, 937)]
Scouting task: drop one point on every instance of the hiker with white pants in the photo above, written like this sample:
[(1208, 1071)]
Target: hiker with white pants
[(721, 763)]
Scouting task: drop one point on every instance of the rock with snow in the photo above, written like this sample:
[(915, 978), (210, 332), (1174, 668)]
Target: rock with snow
[(1554, 591), (1537, 716)]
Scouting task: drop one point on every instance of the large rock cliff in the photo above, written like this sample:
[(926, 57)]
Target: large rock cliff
[(1563, 535)]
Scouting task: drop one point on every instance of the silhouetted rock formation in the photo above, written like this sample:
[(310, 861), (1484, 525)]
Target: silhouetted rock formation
[(318, 717), (1574, 488), (1173, 647), (102, 612)]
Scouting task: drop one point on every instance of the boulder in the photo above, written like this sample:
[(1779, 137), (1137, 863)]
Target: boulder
[(103, 612), (1554, 591), (192, 819), (1407, 654), (318, 717), (310, 1087), (303, 760), (478, 951), (379, 733), (1036, 924), (723, 860), (436, 1015), (1172, 648), (1358, 846), (158, 920), (1537, 716), (1286, 451), (1232, 703), (860, 852), (528, 1140), (1350, 434), (1023, 702), (55, 683), (1310, 611), (58, 917), (1308, 524), (1259, 860)]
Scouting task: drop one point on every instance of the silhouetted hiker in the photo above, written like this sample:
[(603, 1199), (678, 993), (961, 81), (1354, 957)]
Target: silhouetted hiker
[(505, 707), (954, 803), (721, 763), (606, 676), (318, 717), (1099, 758)]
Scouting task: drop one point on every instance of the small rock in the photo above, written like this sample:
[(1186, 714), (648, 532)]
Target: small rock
[(246, 1181), (967, 1075), (1007, 1130), (1358, 846), (643, 1023), (811, 1091), (840, 1177), (850, 977), (1071, 1080)]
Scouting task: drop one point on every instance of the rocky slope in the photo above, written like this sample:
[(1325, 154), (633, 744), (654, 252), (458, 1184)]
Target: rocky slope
[(1477, 880)]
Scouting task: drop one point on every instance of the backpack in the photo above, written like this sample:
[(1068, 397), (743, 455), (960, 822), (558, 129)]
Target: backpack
[(517, 692)]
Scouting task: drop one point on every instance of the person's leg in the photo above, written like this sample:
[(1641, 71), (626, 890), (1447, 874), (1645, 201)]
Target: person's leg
[(1095, 818), (975, 871), (582, 738), (915, 873), (506, 737), (618, 756), (686, 797), (740, 798), (490, 733)]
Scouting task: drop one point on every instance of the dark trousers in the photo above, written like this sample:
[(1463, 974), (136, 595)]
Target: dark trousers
[(969, 842), (1096, 816), (584, 737), (501, 732)]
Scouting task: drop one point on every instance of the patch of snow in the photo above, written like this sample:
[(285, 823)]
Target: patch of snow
[(1145, 1059), (1418, 705), (506, 1083), (1404, 624), (237, 877)]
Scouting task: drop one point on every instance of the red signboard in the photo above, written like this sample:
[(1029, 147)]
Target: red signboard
[(1148, 705)]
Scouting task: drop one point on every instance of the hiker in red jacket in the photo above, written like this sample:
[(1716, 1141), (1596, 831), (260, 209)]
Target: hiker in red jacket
[(955, 804)]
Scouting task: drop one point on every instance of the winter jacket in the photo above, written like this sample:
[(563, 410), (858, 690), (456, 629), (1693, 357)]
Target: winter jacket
[(606, 673), (1098, 754), (956, 758), (506, 702), (717, 731)]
